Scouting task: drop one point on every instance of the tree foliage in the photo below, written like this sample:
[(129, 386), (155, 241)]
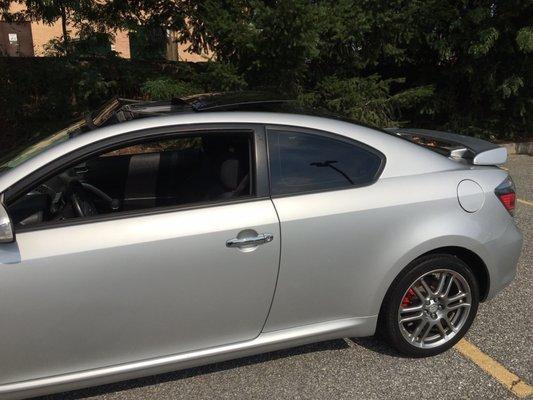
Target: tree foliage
[(462, 65)]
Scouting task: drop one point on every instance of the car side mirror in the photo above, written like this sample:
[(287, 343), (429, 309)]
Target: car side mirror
[(6, 227)]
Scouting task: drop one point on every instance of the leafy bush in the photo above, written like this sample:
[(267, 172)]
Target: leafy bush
[(164, 88), (367, 100), (40, 95), (220, 77), (363, 99), (464, 66)]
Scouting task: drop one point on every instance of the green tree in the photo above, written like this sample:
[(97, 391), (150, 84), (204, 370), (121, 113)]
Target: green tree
[(463, 65), (478, 56), (270, 42)]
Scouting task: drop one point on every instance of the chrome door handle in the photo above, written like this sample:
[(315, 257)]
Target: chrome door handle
[(250, 241)]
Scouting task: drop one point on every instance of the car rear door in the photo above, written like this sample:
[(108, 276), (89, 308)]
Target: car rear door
[(83, 294)]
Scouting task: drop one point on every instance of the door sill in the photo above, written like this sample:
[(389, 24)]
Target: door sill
[(265, 342)]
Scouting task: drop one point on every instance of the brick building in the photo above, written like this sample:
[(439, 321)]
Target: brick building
[(28, 39)]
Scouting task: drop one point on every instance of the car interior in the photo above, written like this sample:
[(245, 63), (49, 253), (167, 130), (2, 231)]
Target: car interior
[(181, 170)]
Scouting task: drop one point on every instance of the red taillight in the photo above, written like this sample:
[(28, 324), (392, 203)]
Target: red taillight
[(508, 200), (507, 194)]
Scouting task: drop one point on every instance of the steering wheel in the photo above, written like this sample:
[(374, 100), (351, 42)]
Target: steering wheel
[(82, 204)]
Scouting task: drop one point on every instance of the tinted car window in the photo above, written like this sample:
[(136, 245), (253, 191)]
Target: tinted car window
[(303, 162), (174, 171)]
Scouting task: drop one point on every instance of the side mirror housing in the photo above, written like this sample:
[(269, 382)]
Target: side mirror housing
[(7, 235)]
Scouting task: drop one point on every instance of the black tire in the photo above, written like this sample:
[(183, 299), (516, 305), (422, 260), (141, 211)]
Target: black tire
[(388, 325)]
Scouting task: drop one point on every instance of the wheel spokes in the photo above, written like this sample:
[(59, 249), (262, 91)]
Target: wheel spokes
[(442, 282), (415, 317), (449, 323), (455, 298), (426, 332), (441, 328), (426, 287), (457, 306), (409, 310), (441, 307), (418, 330), (419, 294)]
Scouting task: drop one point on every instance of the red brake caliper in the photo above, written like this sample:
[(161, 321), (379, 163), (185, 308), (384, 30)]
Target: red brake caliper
[(408, 298)]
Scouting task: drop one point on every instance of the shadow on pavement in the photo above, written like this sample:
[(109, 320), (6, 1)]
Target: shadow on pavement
[(377, 346), (191, 372)]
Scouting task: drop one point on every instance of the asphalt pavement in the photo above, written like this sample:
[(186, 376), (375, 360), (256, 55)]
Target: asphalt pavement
[(367, 368)]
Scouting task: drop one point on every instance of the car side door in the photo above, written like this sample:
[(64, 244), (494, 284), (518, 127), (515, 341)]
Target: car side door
[(104, 290), (322, 188)]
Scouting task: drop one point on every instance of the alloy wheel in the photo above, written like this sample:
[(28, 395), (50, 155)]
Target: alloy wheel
[(434, 308)]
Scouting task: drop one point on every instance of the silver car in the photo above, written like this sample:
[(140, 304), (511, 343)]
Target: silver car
[(157, 236)]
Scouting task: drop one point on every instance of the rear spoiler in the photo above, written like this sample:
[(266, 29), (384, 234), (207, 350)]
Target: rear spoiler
[(459, 147)]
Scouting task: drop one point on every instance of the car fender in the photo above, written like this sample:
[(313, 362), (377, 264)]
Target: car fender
[(419, 250)]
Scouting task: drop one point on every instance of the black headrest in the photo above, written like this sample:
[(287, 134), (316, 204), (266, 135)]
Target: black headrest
[(229, 174)]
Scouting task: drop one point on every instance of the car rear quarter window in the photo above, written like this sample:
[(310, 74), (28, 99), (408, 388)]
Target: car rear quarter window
[(305, 162)]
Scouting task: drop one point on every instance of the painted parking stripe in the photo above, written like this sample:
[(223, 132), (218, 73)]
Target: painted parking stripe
[(512, 382), (529, 203)]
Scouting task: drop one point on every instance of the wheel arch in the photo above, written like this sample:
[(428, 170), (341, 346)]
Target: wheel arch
[(469, 257), (474, 261)]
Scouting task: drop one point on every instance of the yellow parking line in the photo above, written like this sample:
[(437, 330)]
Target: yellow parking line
[(512, 382), (506, 169), (529, 203)]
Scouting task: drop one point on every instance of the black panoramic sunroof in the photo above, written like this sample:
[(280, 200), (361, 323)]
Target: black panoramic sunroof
[(250, 101), (238, 101)]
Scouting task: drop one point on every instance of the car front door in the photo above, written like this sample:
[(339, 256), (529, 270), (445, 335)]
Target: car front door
[(101, 291)]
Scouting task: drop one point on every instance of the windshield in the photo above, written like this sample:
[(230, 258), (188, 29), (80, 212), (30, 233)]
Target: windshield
[(25, 152)]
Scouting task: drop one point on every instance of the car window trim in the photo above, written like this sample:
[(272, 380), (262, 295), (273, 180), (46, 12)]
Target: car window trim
[(257, 161), (329, 135), (137, 214)]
